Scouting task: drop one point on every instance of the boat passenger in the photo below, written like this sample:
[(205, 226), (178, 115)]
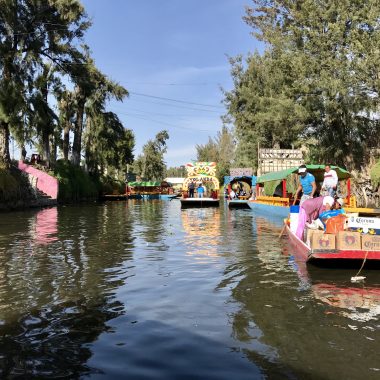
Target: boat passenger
[(191, 188), (310, 210), (330, 181), (232, 194), (200, 190), (307, 185)]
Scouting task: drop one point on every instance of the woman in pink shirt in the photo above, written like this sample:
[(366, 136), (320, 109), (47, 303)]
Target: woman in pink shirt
[(310, 210)]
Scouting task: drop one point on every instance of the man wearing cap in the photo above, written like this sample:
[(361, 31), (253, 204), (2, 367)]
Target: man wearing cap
[(307, 185)]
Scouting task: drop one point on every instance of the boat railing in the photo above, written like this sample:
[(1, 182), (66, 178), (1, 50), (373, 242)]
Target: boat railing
[(275, 201)]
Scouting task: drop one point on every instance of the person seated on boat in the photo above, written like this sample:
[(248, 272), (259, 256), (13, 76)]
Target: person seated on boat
[(232, 194), (339, 203), (200, 190), (310, 210), (330, 182), (191, 188), (307, 185)]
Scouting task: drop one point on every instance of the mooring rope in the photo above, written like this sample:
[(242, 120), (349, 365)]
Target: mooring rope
[(365, 258)]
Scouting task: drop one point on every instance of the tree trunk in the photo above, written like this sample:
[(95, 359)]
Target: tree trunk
[(46, 147), (88, 151), (78, 127), (66, 141), (5, 158)]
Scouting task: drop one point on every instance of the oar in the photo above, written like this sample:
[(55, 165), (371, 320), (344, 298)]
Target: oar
[(282, 231)]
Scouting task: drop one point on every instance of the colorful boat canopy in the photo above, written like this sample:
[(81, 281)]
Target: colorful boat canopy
[(144, 184), (314, 169)]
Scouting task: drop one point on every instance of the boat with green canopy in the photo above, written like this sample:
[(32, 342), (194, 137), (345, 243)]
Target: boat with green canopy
[(275, 191), (150, 190)]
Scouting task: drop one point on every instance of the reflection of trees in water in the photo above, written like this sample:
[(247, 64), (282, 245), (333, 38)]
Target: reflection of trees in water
[(281, 325), (58, 299), (151, 219)]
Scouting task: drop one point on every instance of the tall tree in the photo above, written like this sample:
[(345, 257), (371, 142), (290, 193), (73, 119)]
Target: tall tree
[(29, 37), (150, 164), (333, 47)]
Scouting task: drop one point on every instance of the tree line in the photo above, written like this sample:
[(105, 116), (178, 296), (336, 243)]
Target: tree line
[(52, 95), (314, 85)]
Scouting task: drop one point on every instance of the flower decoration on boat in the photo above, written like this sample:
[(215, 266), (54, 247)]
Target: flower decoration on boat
[(201, 168)]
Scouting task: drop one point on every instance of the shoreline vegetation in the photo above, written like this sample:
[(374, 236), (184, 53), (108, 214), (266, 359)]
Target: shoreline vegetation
[(314, 87), (75, 185)]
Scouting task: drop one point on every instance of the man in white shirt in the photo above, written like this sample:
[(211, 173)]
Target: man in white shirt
[(330, 181)]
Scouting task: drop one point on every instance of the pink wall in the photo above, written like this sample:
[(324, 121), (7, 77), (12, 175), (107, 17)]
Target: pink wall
[(45, 182)]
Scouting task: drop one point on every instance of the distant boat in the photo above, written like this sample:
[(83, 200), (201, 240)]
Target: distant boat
[(241, 185), (149, 190), (200, 173), (199, 202)]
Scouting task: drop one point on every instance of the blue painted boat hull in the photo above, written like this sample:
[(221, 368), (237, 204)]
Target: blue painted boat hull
[(269, 210)]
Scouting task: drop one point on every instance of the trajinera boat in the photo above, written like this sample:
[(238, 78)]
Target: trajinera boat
[(200, 174), (280, 186), (353, 246), (150, 190), (242, 186)]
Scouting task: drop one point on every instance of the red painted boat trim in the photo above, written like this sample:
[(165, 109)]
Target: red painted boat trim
[(304, 252)]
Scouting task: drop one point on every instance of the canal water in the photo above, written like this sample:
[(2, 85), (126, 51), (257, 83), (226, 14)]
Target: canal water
[(145, 290)]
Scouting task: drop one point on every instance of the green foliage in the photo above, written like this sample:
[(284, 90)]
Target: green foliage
[(9, 186), (375, 174), (151, 164), (111, 186), (220, 149), (315, 84), (74, 183), (176, 172)]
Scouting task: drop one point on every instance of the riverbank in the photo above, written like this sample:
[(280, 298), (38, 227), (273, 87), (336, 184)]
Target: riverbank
[(20, 189)]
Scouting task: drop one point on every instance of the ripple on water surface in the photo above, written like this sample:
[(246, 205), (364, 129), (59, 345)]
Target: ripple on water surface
[(146, 290)]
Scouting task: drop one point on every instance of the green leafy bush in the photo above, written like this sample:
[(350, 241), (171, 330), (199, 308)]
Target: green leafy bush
[(74, 183)]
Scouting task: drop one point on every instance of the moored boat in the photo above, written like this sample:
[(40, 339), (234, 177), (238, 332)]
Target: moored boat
[(280, 187), (239, 183), (305, 253)]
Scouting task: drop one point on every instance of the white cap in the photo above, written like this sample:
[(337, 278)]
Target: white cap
[(302, 170), (328, 200), (340, 201)]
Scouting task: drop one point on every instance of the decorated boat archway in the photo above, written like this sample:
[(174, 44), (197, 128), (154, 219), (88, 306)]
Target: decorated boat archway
[(201, 186)]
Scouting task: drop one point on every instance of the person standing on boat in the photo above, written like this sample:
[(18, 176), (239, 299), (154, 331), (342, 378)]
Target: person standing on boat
[(330, 181), (307, 185), (191, 188), (310, 210), (200, 190)]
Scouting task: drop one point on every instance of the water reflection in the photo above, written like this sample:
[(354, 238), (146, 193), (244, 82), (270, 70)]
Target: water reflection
[(294, 314), (359, 304), (46, 226), (202, 227), (55, 302)]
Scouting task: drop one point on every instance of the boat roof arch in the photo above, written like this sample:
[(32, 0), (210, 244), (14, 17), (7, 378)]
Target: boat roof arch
[(230, 179), (283, 174)]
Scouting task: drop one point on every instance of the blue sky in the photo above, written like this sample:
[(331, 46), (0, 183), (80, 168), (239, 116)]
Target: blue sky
[(172, 49)]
